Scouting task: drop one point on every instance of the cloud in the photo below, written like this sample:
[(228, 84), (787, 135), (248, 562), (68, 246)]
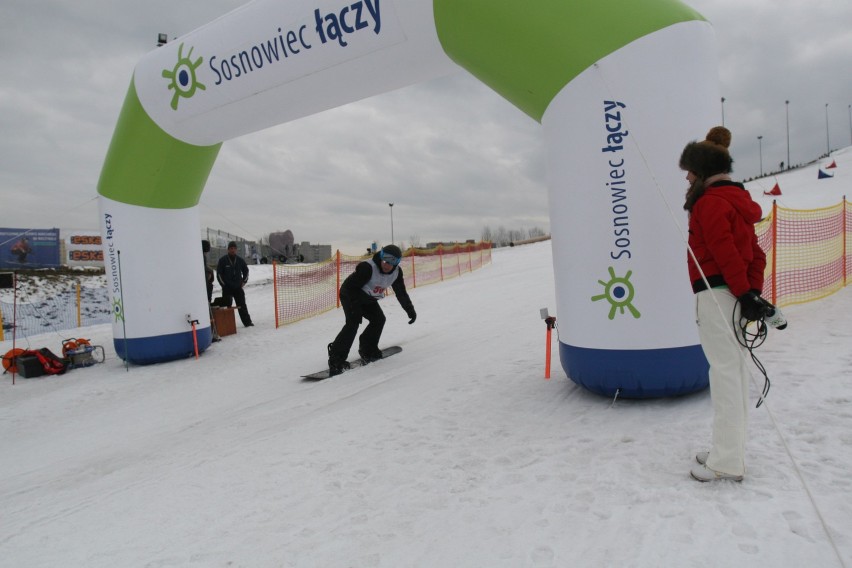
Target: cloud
[(450, 154)]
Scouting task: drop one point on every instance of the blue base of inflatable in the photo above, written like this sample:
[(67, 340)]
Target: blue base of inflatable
[(644, 373), (162, 348)]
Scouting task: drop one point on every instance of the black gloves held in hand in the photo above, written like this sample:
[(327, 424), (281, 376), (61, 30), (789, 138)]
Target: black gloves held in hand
[(411, 314), (751, 306)]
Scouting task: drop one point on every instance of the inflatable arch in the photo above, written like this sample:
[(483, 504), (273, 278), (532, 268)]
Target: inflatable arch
[(619, 88)]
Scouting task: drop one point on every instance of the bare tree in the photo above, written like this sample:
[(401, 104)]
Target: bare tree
[(516, 235), (501, 237)]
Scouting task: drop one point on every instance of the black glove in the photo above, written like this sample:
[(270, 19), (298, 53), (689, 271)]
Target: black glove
[(411, 314), (751, 306)]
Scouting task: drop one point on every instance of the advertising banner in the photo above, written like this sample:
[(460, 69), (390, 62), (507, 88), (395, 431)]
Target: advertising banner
[(83, 249), (29, 248)]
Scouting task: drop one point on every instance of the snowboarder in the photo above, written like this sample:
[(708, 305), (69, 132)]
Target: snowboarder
[(359, 295)]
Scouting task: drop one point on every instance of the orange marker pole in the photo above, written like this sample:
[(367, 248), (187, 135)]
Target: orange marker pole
[(194, 336), (551, 323)]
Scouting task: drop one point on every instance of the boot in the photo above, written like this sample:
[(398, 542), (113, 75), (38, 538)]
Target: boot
[(370, 355), (336, 363)]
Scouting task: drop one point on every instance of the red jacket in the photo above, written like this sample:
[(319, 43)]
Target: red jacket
[(721, 234)]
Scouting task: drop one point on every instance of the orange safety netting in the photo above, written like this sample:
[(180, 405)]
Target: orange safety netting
[(304, 291), (807, 252)]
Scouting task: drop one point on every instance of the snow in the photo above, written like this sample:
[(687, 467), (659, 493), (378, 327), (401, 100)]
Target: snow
[(456, 452), (801, 189)]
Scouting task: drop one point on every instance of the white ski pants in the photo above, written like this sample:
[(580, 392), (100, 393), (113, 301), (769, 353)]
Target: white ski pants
[(729, 376)]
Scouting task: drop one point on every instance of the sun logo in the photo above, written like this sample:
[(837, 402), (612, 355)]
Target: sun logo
[(183, 78), (619, 293), (118, 309)]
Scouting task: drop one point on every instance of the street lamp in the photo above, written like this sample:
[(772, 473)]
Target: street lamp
[(760, 149), (391, 211), (827, 144), (723, 111), (850, 123), (788, 133)]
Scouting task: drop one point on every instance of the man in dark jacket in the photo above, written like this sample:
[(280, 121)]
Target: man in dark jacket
[(232, 273), (359, 295)]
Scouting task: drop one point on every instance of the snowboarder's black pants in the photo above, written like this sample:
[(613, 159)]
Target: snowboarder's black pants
[(355, 311), (239, 296)]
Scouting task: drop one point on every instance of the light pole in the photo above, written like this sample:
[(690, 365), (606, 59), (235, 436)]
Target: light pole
[(827, 143), (787, 103), (391, 211), (760, 149), (723, 111)]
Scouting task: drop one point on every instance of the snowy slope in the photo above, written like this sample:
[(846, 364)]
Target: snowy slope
[(802, 188), (454, 453)]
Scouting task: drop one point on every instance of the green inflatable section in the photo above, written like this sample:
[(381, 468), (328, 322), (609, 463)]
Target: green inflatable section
[(528, 51), (145, 166)]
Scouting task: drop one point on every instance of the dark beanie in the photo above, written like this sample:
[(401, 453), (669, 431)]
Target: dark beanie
[(710, 156), (392, 250), (232, 244)]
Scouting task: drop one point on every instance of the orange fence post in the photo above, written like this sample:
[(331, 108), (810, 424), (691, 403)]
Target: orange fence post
[(14, 322), (774, 251), (441, 260), (79, 307), (413, 270), (275, 289), (337, 293), (845, 268)]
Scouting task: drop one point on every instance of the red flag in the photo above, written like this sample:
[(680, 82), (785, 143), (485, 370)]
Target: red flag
[(833, 164), (775, 190)]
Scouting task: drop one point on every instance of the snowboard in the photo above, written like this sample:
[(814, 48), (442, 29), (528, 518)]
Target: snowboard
[(353, 364)]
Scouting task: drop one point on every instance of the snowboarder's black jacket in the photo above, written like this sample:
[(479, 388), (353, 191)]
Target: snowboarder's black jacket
[(353, 285)]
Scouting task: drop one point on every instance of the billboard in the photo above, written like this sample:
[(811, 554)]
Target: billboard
[(29, 248), (84, 249)]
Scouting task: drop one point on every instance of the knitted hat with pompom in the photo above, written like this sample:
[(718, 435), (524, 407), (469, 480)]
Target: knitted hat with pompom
[(710, 156)]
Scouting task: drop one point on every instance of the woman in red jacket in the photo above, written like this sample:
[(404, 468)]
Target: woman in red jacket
[(726, 267)]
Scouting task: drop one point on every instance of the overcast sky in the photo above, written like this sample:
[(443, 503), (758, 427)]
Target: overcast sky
[(451, 155)]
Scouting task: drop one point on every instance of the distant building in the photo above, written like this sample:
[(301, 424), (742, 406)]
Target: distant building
[(280, 247), (313, 253), (292, 253), (450, 245)]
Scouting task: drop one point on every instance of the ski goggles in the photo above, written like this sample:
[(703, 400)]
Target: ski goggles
[(389, 258)]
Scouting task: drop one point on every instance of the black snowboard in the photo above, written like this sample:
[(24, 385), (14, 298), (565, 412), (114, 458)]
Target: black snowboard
[(353, 364)]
